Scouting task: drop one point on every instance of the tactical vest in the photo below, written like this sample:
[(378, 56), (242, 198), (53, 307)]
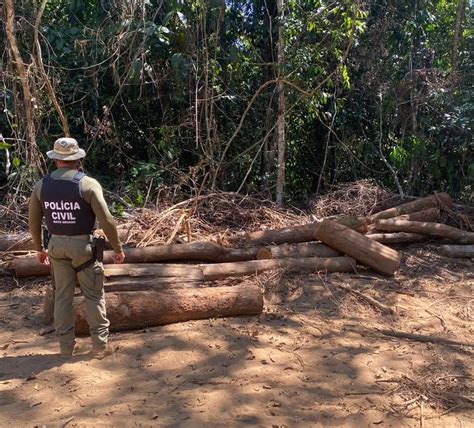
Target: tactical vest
[(65, 211)]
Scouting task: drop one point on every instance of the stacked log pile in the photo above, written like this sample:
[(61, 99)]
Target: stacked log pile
[(149, 290)]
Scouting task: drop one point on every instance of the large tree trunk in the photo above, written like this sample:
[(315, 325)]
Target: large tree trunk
[(396, 238), (458, 251), (414, 206), (215, 271), (367, 251), (130, 310), (432, 229)]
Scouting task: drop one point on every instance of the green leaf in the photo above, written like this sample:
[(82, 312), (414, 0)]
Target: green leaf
[(16, 162), (4, 146)]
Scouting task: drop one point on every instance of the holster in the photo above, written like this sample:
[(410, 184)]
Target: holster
[(98, 245)]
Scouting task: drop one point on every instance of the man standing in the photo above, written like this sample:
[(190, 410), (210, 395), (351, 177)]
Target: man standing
[(70, 202)]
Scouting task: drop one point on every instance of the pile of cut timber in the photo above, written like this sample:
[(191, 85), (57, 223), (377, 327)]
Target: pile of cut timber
[(146, 291)]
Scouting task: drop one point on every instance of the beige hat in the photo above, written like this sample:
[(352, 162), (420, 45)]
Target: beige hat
[(66, 149)]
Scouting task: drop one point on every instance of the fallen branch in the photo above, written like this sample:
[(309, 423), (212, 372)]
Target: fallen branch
[(385, 309), (396, 238)]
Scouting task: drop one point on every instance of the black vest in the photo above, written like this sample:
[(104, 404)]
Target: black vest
[(65, 211)]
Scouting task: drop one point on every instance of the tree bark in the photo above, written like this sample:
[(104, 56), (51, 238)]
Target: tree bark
[(458, 251), (211, 272), (200, 251), (429, 215), (131, 310), (304, 249), (281, 140), (424, 228), (414, 206), (396, 238), (367, 251)]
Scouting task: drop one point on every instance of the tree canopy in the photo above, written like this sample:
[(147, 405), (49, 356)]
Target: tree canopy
[(190, 93)]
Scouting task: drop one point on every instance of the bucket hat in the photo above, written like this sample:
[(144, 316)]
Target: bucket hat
[(66, 149)]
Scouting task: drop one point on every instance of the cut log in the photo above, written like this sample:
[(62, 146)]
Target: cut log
[(128, 283), (429, 215), (425, 228), (367, 251), (396, 238), (131, 310), (297, 234), (458, 251), (304, 249), (200, 251), (215, 271), (432, 201)]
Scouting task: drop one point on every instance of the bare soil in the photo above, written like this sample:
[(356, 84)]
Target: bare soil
[(314, 358)]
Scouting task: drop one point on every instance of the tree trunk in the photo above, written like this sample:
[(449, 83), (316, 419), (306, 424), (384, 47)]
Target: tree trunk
[(430, 215), (305, 249), (461, 7), (396, 238), (367, 251), (32, 155), (433, 201), (200, 251), (131, 310), (281, 140), (211, 272), (432, 229), (458, 251), (296, 234)]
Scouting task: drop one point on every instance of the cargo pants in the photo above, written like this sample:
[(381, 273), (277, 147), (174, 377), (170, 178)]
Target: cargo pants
[(65, 253)]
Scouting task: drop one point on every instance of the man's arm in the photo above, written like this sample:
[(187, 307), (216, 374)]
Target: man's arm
[(105, 219), (35, 215)]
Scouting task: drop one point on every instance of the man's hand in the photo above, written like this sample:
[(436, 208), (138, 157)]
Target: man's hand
[(42, 257), (119, 257)]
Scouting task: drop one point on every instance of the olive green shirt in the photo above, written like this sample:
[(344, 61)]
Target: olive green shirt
[(91, 192)]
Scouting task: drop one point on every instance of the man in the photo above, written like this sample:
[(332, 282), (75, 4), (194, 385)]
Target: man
[(70, 203)]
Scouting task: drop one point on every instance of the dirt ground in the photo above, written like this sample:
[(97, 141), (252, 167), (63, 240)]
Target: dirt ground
[(316, 357)]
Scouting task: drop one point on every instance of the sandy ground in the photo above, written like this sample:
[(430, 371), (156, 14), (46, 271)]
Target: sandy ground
[(314, 358)]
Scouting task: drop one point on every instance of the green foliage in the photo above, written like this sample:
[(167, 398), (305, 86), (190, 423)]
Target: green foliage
[(155, 93)]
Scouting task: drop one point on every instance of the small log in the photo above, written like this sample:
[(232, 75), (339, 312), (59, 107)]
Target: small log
[(367, 251), (429, 215), (432, 201), (458, 251), (425, 228), (304, 249), (131, 310), (215, 271), (396, 238)]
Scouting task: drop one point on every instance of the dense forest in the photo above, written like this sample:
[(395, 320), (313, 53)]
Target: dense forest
[(285, 98)]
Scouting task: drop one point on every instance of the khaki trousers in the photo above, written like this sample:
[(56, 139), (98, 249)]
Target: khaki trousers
[(65, 253)]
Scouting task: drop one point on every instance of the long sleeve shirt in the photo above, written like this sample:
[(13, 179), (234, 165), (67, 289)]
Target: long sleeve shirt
[(92, 194)]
